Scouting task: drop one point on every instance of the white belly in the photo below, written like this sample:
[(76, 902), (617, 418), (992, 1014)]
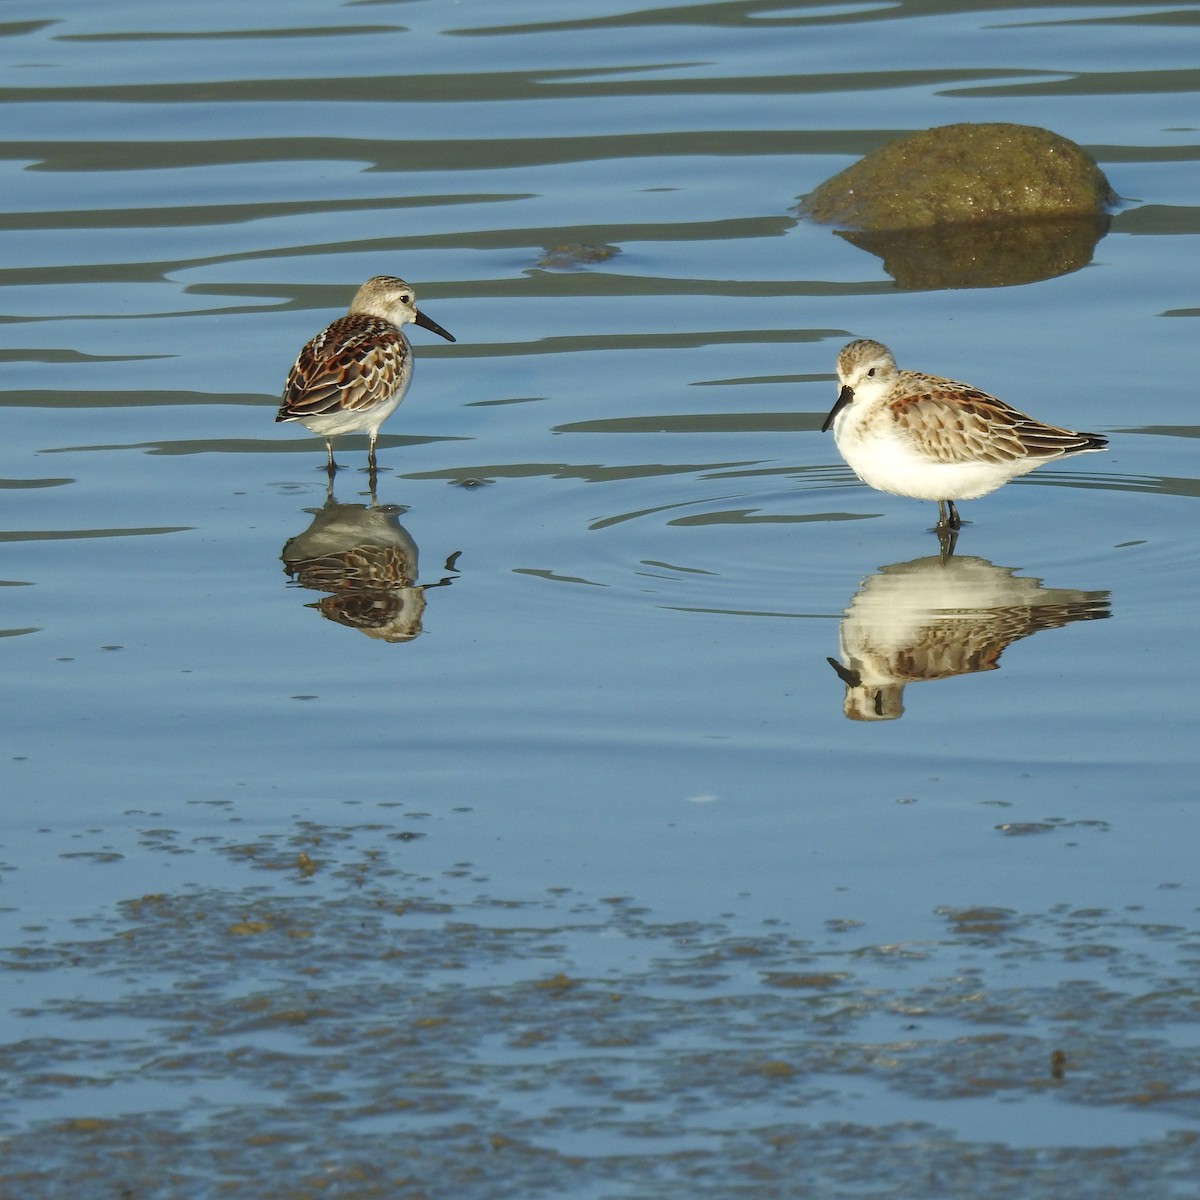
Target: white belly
[(331, 424), (892, 465)]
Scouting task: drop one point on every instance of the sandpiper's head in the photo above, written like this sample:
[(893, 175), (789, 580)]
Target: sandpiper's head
[(865, 363), (865, 369), (391, 299)]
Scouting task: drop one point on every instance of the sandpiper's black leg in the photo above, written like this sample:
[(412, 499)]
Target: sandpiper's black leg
[(947, 515), (947, 540), (330, 465), (372, 470)]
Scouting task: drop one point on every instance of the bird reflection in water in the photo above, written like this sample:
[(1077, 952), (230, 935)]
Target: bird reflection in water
[(936, 617), (366, 562)]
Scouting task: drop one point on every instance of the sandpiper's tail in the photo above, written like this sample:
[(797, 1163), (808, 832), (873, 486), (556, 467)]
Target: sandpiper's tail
[(1047, 441)]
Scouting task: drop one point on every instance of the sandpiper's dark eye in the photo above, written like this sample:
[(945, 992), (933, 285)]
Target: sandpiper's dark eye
[(405, 299), (871, 373)]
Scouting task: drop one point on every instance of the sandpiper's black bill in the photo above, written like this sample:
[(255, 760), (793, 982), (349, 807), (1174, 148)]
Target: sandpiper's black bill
[(433, 327), (844, 398)]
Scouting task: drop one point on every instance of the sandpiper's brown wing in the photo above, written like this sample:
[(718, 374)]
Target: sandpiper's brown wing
[(956, 423), (354, 364)]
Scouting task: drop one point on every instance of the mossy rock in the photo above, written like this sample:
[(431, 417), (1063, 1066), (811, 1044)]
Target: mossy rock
[(963, 175), (964, 206)]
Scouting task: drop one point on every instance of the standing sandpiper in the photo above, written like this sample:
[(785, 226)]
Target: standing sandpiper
[(934, 439), (354, 373)]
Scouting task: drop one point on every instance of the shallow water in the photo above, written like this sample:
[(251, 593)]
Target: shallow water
[(559, 869)]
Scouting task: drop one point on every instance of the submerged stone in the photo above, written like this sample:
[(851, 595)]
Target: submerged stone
[(575, 256)]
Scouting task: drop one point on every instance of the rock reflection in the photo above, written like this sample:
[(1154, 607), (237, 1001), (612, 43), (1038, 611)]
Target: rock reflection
[(1004, 254), (366, 562), (936, 617)]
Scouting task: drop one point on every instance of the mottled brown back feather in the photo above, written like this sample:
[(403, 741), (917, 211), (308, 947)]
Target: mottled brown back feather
[(353, 364), (961, 424)]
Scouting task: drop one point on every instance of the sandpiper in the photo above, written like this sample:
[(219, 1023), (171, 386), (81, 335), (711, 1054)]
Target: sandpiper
[(354, 373), (931, 438)]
